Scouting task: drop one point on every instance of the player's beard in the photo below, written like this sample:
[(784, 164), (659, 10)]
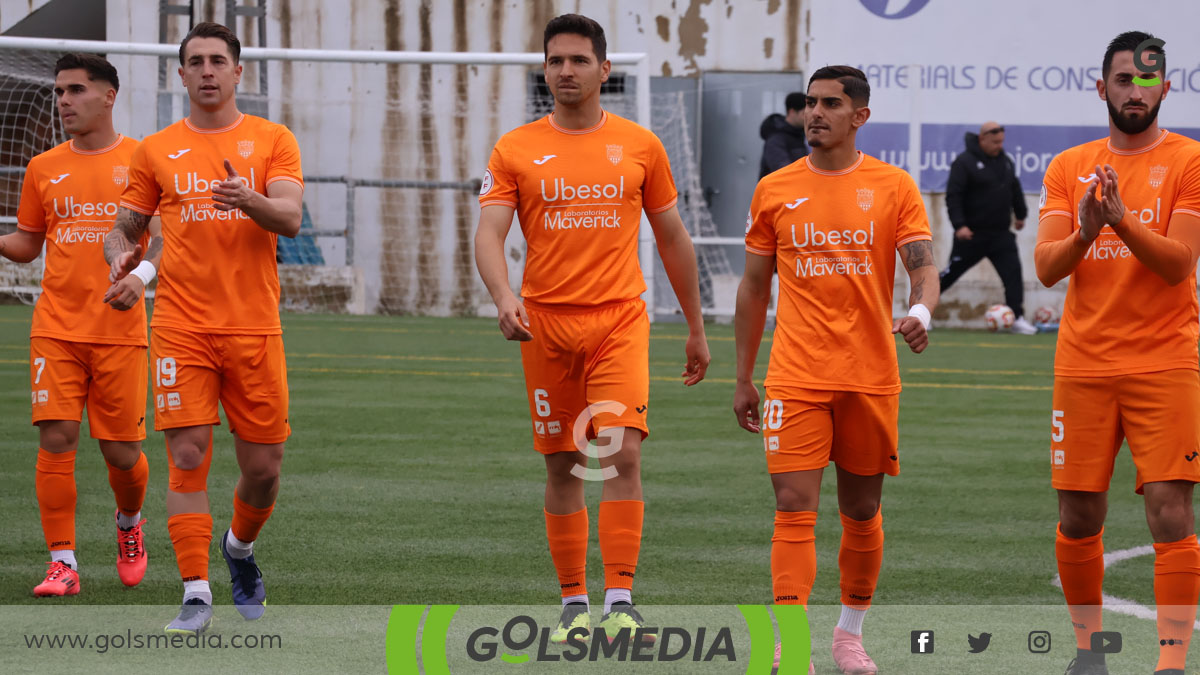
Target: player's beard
[(1129, 126)]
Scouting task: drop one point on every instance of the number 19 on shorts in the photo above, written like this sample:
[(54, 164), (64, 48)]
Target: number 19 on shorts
[(164, 371)]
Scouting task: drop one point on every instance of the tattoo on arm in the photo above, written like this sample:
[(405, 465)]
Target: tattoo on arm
[(130, 227), (154, 250), (917, 254), (917, 293)]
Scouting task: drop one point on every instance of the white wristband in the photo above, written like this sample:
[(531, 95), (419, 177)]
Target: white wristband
[(922, 313), (145, 271)]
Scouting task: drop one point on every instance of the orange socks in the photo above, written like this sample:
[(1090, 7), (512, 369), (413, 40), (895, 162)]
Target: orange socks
[(54, 481), (568, 537), (1176, 585), (191, 535), (1081, 568), (129, 486), (859, 559), (793, 557), (620, 528), (248, 521)]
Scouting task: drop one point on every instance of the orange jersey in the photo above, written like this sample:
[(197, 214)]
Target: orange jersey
[(834, 235), (218, 271), (579, 196), (71, 195), (1121, 318)]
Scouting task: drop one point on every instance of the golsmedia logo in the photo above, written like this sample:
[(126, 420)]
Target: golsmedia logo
[(489, 639), (645, 644), (1150, 65)]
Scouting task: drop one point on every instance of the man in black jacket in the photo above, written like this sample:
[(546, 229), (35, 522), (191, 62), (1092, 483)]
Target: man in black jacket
[(982, 196), (783, 136)]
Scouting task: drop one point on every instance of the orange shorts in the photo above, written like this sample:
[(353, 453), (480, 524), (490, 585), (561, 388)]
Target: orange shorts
[(246, 373), (1159, 413), (110, 379), (590, 366), (806, 429)]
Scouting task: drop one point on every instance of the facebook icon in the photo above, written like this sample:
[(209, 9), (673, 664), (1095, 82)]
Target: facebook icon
[(922, 642)]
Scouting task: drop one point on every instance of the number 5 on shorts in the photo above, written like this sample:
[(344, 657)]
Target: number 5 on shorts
[(1059, 430), (164, 371)]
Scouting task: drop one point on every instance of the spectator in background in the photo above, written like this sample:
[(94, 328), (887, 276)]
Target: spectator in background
[(982, 196), (783, 136)]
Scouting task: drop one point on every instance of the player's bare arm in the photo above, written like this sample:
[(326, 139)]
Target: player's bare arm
[(278, 211), (679, 260), (494, 223), (22, 246), (123, 238), (1172, 257), (750, 316), (127, 288), (923, 281)]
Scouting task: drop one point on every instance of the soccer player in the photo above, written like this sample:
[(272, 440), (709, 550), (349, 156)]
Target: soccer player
[(830, 226), (227, 184), (578, 180), (81, 352), (1121, 217)]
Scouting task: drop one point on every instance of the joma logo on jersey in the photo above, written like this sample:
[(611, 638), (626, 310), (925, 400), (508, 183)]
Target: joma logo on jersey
[(194, 183), (815, 237), (563, 191), (71, 208)]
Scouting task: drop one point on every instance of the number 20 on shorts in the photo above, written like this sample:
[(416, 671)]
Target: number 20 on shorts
[(773, 414)]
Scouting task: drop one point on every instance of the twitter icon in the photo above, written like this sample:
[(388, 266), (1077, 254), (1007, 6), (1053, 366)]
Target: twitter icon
[(978, 644)]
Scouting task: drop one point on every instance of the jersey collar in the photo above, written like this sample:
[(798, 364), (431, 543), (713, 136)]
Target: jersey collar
[(842, 172), (188, 123), (101, 151), (1137, 151), (578, 132)]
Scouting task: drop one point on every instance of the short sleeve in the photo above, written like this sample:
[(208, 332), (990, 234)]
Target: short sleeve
[(760, 224), (1188, 199), (658, 192), (498, 186), (284, 163), (142, 191), (912, 223), (31, 215), (1056, 197)]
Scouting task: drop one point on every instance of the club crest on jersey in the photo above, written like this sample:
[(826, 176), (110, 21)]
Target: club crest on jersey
[(120, 174), (246, 148), (615, 153), (485, 186), (1158, 173), (866, 199)]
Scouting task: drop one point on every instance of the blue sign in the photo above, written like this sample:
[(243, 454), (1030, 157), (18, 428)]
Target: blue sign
[(880, 8)]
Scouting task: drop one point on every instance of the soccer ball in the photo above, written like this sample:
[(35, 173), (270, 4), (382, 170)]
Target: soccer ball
[(1044, 315), (999, 317)]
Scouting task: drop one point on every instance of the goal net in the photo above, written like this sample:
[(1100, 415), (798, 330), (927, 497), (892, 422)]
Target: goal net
[(393, 153)]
